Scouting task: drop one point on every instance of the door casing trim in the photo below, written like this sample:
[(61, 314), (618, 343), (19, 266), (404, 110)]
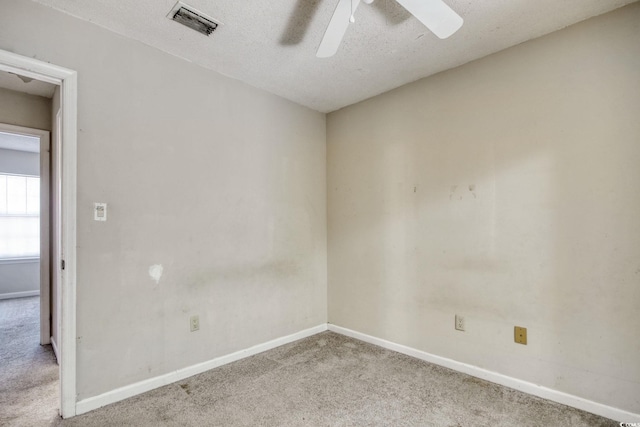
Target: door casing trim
[(68, 81)]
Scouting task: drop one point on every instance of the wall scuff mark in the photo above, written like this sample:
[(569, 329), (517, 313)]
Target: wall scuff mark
[(155, 271)]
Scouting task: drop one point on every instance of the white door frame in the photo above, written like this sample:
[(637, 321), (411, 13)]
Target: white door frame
[(68, 82), (45, 221)]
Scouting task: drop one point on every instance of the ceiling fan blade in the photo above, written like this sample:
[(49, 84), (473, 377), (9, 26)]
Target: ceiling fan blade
[(337, 27), (435, 15)]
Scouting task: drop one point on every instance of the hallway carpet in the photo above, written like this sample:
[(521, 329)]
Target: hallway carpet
[(332, 380), (28, 371)]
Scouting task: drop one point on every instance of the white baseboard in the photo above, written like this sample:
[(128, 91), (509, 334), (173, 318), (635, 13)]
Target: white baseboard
[(19, 294), (494, 377), (131, 390)]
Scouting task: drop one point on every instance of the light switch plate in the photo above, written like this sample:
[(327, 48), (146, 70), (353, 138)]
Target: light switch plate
[(100, 211)]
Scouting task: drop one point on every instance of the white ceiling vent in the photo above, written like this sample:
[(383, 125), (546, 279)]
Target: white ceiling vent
[(192, 18)]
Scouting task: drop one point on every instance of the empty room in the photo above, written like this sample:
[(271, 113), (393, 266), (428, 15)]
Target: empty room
[(320, 212)]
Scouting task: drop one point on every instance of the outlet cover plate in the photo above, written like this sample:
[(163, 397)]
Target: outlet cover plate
[(195, 323), (520, 335), (459, 323)]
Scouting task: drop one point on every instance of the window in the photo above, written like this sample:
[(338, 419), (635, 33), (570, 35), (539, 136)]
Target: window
[(19, 216)]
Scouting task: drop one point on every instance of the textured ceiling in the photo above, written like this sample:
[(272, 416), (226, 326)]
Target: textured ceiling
[(271, 44)]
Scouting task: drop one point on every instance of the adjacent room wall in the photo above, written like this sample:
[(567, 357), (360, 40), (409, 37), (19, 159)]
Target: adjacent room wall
[(216, 196), (22, 109), (506, 191), (19, 162), (19, 277)]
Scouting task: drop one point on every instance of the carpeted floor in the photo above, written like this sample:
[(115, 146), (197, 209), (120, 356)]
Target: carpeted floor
[(332, 380), (324, 380), (28, 371)]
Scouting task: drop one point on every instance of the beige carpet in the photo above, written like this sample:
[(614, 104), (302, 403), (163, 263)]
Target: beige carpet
[(28, 371), (324, 380), (332, 380)]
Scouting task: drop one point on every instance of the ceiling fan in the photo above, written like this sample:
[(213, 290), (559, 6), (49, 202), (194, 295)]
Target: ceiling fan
[(434, 14)]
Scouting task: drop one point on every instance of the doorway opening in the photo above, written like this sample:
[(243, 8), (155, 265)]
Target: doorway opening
[(25, 286), (25, 221)]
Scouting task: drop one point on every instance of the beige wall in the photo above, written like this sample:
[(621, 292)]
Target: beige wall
[(220, 183), (21, 109), (507, 191)]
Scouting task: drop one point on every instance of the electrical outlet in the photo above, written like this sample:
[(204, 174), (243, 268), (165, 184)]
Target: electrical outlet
[(195, 323), (459, 323), (520, 335)]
